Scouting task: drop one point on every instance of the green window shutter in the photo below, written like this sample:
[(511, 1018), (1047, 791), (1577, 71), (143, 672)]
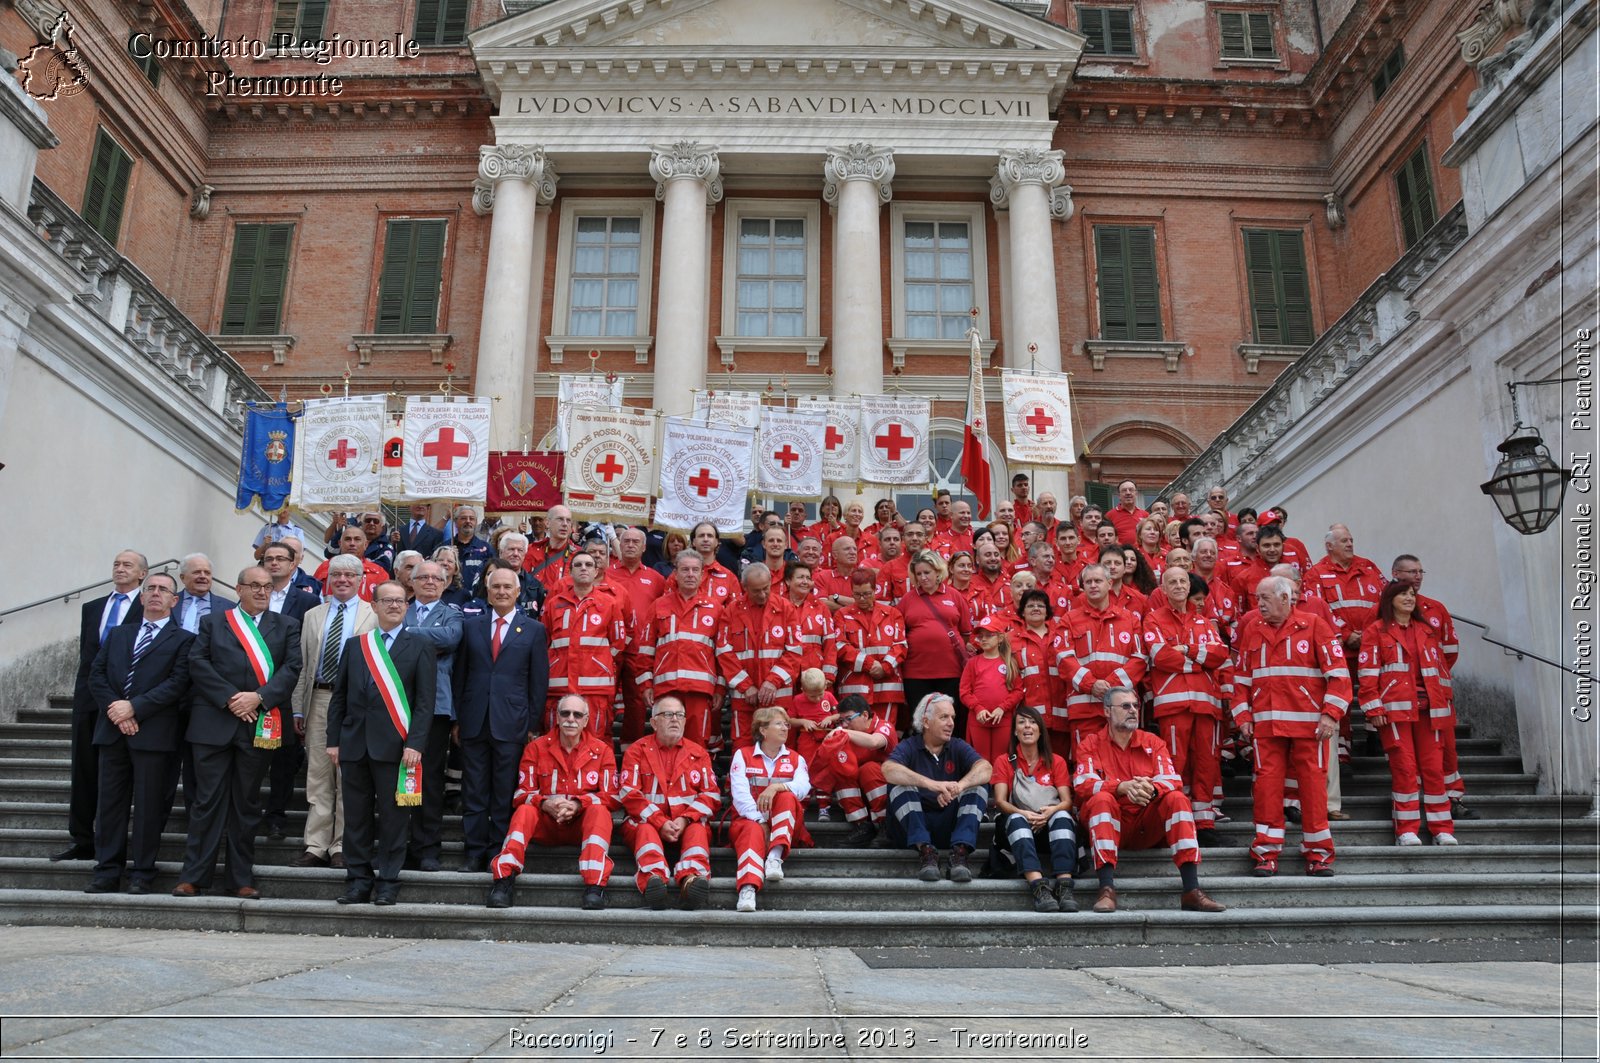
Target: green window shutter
[(1295, 285), (1388, 72), (107, 192), (313, 13), (285, 20), (441, 22), (408, 290), (454, 27), (428, 19), (1130, 294), (1259, 24), (1142, 283), (1119, 32), (1415, 191), (253, 304), (1111, 260), (1259, 262), (1231, 24), (1280, 291), (1092, 24)]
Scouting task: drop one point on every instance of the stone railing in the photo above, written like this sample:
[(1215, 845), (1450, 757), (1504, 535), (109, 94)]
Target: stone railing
[(129, 302), (1380, 314)]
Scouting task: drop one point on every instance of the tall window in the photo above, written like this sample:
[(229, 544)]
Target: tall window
[(296, 22), (605, 277), (1280, 296), (144, 57), (772, 277), (938, 279), (253, 305), (441, 22), (1414, 189), (107, 192), (1246, 35), (1130, 296), (1109, 30), (413, 270)]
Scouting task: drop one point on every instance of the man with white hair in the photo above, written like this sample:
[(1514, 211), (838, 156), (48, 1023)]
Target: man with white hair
[(513, 550), (939, 788), (472, 552), (548, 558), (197, 598), (1290, 688), (1351, 585)]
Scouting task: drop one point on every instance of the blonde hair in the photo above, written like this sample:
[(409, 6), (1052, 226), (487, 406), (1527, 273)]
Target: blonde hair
[(931, 557), (813, 682), (765, 715)]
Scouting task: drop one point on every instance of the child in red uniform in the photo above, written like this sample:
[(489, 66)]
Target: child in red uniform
[(991, 689), (814, 712)]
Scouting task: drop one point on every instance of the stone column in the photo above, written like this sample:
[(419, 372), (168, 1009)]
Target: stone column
[(537, 249), (688, 180), (1026, 184), (856, 182), (510, 179)]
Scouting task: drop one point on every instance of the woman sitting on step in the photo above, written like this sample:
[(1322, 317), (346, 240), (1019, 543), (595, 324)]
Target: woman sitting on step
[(768, 781), (1033, 791)]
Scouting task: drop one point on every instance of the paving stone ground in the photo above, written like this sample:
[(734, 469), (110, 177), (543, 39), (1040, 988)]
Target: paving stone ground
[(90, 993)]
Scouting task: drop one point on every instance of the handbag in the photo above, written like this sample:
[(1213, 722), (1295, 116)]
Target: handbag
[(955, 641)]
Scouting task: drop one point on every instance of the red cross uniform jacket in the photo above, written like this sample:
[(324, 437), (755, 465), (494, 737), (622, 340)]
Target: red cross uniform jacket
[(719, 584), (1286, 677), (1096, 645), (1437, 617), (865, 639), (587, 775), (587, 640), (661, 784), (1397, 662), (818, 637), (1351, 591), (1186, 655), (551, 574), (759, 644), (1036, 660), (1103, 765), (679, 646)]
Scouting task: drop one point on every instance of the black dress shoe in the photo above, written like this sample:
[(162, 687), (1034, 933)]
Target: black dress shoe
[(80, 851), (276, 830), (138, 889), (429, 864), (356, 894), (1292, 815), (1461, 811), (103, 885), (387, 894)]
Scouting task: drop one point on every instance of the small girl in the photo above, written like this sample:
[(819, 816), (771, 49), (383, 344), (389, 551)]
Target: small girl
[(815, 712), (991, 689)]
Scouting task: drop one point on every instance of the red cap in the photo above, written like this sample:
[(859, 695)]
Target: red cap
[(992, 623), (1270, 516)]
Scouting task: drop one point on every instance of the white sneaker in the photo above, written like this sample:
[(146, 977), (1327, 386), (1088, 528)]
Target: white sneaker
[(747, 899), (1445, 839), (774, 867), (1408, 839), (825, 815)]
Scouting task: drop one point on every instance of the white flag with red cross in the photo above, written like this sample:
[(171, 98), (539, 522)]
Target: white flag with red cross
[(705, 475), (894, 440), (1038, 418), (840, 433), (610, 472), (789, 453), (446, 454), (336, 467)]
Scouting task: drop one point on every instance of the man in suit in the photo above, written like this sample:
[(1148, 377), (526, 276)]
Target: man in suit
[(285, 761), (419, 534), (244, 665), (438, 623), (324, 637), (138, 681), (502, 674), (378, 719), (196, 599), (289, 597), (121, 606)]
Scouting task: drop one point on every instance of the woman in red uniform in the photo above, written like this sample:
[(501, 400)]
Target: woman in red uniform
[(768, 781)]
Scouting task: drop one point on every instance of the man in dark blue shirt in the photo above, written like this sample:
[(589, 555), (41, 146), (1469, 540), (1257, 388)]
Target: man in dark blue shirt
[(938, 790)]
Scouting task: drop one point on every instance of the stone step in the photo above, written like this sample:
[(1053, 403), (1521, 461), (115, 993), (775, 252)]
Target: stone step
[(801, 891), (1161, 923), (24, 732), (58, 749)]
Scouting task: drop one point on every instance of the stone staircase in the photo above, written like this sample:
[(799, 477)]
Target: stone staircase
[(1526, 870)]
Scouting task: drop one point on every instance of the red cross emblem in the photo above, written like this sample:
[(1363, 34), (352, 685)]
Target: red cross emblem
[(1039, 421), (703, 482), (833, 438), (786, 457), (445, 449), (894, 441), (342, 454), (610, 468)]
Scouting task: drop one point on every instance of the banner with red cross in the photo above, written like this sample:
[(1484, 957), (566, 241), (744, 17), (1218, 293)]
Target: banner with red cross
[(705, 475), (840, 433), (894, 440), (446, 454), (336, 467), (610, 471), (789, 453), (1038, 418)]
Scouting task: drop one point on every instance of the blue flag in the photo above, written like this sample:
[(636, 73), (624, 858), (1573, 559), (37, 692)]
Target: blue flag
[(267, 459)]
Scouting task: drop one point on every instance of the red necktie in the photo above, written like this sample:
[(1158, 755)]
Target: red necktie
[(499, 633)]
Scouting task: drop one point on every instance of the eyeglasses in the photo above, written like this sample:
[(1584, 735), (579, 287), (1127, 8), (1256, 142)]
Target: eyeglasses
[(427, 579), (670, 715), (388, 601), (571, 714), (257, 586)]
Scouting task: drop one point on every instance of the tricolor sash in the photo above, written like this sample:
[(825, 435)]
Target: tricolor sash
[(269, 733), (408, 784)]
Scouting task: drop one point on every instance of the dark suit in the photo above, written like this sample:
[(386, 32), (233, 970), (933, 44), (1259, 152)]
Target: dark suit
[(441, 628), (135, 766), (370, 750), (287, 760), (214, 603), (228, 767), (424, 542), (182, 765), (85, 799), (498, 701)]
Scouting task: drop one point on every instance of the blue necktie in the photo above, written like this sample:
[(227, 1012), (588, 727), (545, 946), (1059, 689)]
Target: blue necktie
[(147, 635), (115, 616)]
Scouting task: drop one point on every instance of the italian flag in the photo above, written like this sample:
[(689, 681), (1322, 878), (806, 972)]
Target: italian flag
[(408, 784)]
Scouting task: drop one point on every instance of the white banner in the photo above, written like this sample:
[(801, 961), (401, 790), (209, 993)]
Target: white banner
[(394, 447), (340, 453), (583, 389), (842, 431), (789, 453), (1038, 418), (611, 467), (705, 475), (446, 450), (894, 440), (741, 409)]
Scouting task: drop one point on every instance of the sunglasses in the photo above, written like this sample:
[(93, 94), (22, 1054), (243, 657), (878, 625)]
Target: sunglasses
[(570, 714)]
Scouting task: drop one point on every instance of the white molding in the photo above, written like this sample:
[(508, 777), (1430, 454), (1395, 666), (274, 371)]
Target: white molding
[(642, 207), (737, 209), (810, 346), (900, 346), (971, 213), (1171, 352), (640, 345)]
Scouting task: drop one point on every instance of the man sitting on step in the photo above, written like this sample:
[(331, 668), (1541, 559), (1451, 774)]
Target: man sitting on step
[(938, 790), (669, 790)]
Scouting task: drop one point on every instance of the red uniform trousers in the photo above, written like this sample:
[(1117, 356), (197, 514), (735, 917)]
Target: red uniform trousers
[(991, 740), (602, 707), (1305, 759), (1113, 825), (752, 841), (649, 853), (634, 712), (857, 782), (806, 743), (1416, 752), (697, 715), (591, 832), (1452, 767), (1195, 742)]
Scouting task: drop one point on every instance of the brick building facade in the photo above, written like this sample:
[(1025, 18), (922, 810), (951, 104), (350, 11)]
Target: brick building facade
[(1238, 174)]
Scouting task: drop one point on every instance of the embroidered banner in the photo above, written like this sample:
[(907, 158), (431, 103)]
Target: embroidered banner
[(789, 452), (705, 475), (446, 450), (610, 467), (894, 440), (338, 469), (1038, 418)]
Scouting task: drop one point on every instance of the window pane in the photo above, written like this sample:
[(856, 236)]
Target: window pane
[(592, 230), (955, 328), (955, 298), (787, 295), (953, 234), (919, 298), (789, 231), (623, 230), (788, 324), (622, 293), (919, 234), (589, 260), (587, 292), (955, 266), (919, 265), (752, 295), (789, 263), (752, 261), (752, 324), (922, 327), (624, 259), (754, 230), (584, 323), (619, 323)]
